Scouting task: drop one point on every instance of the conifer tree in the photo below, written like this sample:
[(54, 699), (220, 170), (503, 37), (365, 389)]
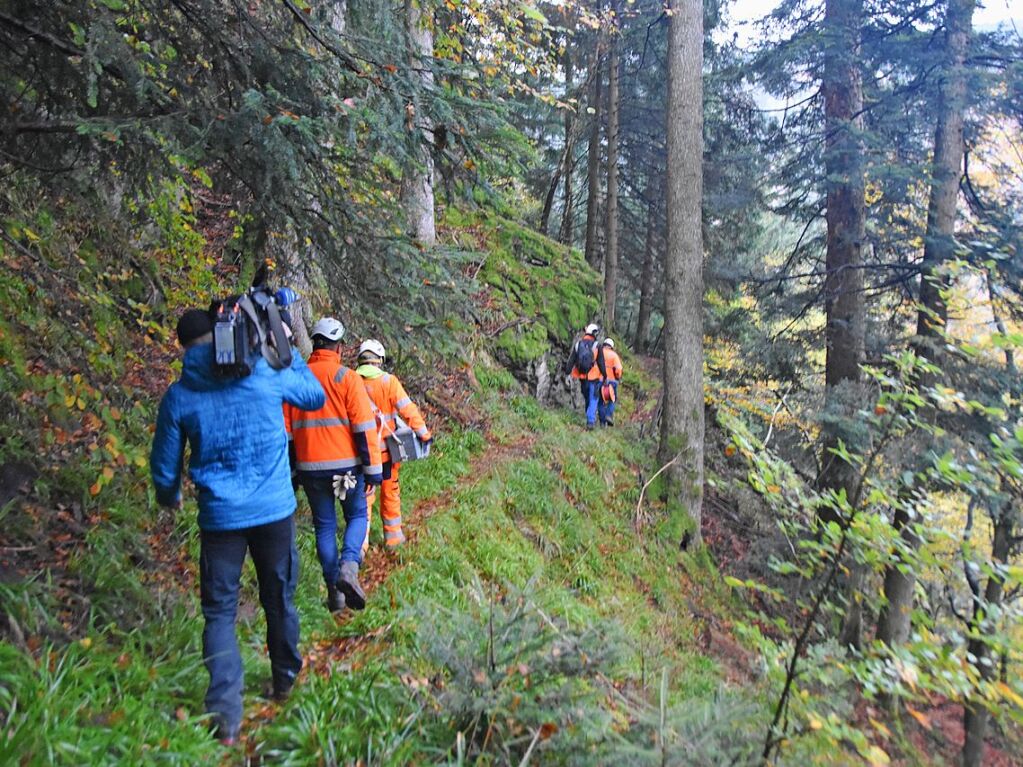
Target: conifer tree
[(682, 425)]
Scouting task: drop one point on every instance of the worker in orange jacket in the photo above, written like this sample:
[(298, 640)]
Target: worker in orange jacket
[(586, 364), (609, 386), (337, 452), (389, 397)]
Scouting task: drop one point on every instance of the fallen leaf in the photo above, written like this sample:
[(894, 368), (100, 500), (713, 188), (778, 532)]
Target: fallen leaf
[(920, 716)]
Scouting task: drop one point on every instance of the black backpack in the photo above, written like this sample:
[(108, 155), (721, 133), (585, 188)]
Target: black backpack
[(585, 357)]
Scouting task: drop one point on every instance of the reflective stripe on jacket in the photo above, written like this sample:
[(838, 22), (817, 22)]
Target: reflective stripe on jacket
[(390, 398), (342, 435), (613, 364)]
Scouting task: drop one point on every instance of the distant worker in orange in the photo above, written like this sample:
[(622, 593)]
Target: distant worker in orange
[(392, 402), (587, 365), (609, 385), (337, 449)]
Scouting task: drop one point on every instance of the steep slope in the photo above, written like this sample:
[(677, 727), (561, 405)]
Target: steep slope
[(526, 617)]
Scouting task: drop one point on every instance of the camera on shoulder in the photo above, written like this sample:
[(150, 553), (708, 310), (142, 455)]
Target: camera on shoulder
[(246, 327)]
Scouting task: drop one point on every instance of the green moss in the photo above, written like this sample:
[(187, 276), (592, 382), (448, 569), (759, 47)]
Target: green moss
[(545, 288)]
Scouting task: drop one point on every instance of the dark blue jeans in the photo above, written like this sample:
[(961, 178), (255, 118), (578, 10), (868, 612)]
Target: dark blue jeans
[(591, 394), (606, 410), (320, 492), (221, 557)]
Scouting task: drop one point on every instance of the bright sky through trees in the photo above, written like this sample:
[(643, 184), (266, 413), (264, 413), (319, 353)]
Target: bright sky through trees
[(990, 14)]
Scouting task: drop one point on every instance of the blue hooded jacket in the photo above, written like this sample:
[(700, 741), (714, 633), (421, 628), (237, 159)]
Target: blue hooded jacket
[(235, 427)]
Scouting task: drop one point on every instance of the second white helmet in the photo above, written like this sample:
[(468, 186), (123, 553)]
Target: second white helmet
[(372, 346)]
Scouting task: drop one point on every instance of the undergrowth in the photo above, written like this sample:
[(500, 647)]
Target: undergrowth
[(527, 617)]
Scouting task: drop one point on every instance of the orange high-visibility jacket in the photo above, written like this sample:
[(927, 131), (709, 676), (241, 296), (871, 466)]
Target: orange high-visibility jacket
[(390, 398), (324, 438), (594, 373), (613, 364)]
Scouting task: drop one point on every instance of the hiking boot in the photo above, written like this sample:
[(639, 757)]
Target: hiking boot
[(589, 427), (225, 735), (349, 585), (282, 688), (610, 422), (335, 599)]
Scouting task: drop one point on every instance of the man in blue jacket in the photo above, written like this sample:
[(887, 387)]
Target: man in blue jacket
[(239, 465)]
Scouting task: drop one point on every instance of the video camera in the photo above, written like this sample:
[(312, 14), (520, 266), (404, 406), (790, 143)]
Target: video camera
[(247, 327)]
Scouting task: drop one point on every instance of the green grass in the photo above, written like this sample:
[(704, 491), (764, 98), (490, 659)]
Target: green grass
[(553, 522), (533, 521)]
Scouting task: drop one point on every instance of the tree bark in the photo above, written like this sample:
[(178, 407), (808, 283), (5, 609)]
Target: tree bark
[(682, 428), (843, 282), (548, 201), (593, 162), (894, 623), (417, 180), (339, 16), (646, 283), (568, 213), (976, 715), (611, 222), (846, 221)]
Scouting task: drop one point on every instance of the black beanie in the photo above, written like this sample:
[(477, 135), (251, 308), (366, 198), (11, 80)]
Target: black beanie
[(193, 323)]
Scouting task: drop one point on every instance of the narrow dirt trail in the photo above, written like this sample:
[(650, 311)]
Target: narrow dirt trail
[(379, 565), (326, 652)]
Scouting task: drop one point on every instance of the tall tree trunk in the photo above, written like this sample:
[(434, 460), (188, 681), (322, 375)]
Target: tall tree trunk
[(568, 214), (593, 161), (846, 220), (939, 247), (611, 222), (682, 427), (548, 200), (646, 282), (976, 715), (417, 181), (843, 283), (339, 16)]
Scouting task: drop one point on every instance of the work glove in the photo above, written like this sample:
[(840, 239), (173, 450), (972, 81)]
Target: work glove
[(374, 479), (342, 484)]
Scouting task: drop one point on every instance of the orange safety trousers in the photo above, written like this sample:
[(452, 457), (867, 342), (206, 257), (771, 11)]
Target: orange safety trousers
[(390, 510)]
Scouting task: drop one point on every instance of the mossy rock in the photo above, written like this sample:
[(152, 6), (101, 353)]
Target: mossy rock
[(548, 287)]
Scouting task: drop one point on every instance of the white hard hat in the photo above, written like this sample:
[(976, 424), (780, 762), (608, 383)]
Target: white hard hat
[(329, 328), (372, 346), (592, 328), (609, 342)]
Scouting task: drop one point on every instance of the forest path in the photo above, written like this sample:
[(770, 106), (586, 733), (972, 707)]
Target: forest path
[(379, 564), (326, 653)]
